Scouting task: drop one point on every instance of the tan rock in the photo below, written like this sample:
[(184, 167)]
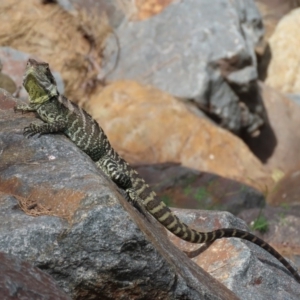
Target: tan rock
[(148, 8), (283, 72), (278, 145), (57, 37), (287, 190), (273, 10), (146, 125)]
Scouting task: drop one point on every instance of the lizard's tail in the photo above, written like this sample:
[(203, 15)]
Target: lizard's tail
[(164, 215)]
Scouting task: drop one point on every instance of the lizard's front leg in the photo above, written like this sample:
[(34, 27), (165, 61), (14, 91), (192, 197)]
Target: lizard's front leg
[(56, 126), (24, 108)]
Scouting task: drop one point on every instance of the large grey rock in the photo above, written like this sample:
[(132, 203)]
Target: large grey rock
[(20, 280), (200, 50), (79, 229), (82, 232)]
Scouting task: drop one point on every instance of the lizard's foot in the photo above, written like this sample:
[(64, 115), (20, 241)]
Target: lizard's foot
[(31, 130), (19, 107), (136, 201), (23, 108)]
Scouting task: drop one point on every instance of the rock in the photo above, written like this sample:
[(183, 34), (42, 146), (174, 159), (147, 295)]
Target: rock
[(249, 271), (20, 280), (182, 187), (14, 63), (147, 126), (286, 191), (211, 62), (295, 98), (272, 11), (279, 142), (6, 82), (79, 229), (35, 31), (283, 72), (283, 226), (117, 11), (61, 214), (149, 8), (113, 9)]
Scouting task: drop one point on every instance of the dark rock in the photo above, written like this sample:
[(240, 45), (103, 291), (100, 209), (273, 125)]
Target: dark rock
[(78, 229), (208, 57), (181, 187), (20, 280)]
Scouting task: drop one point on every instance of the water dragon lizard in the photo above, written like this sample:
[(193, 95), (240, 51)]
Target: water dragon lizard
[(61, 115)]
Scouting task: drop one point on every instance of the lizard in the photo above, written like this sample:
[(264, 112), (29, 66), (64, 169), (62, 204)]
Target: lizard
[(61, 115)]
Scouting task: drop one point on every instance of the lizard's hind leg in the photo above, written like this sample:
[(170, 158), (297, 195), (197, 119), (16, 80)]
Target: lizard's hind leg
[(111, 169), (123, 181)]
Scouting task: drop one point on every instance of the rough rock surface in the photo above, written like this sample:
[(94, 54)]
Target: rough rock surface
[(246, 269), (183, 187), (75, 228), (147, 126), (283, 71), (211, 62), (20, 280)]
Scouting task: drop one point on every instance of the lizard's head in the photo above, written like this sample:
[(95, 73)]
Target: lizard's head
[(39, 82)]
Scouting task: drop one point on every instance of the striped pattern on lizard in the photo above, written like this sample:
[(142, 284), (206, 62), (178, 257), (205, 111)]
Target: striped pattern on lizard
[(61, 115)]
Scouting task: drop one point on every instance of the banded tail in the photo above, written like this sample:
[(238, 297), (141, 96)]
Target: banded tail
[(165, 216)]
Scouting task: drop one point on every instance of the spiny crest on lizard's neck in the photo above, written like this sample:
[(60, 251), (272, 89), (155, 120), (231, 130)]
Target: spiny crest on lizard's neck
[(39, 82)]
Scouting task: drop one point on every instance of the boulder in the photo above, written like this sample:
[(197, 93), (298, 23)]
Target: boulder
[(184, 187), (283, 71), (63, 215), (286, 191), (208, 56), (60, 213), (148, 126), (278, 144), (246, 269), (273, 10), (70, 43)]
